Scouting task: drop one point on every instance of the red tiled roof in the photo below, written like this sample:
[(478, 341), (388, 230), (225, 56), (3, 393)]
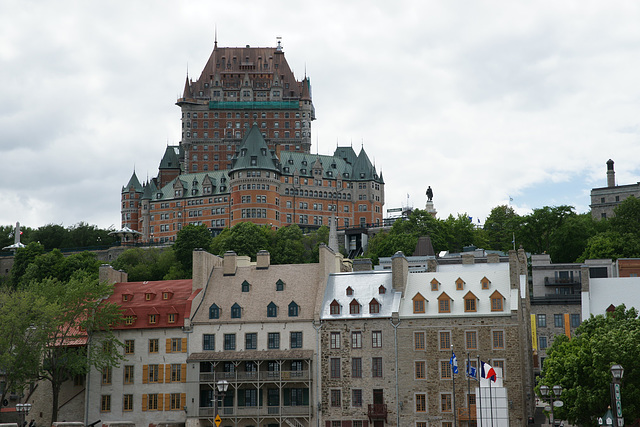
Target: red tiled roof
[(179, 302)]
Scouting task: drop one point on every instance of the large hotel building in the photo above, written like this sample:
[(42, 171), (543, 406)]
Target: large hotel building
[(245, 156)]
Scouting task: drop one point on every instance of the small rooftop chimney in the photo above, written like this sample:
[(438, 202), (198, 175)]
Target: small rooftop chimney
[(611, 174)]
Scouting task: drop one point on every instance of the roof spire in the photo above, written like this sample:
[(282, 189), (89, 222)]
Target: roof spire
[(215, 37)]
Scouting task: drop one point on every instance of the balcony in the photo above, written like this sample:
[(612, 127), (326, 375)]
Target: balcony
[(242, 376), (377, 411), (467, 414), (562, 281), (256, 411)]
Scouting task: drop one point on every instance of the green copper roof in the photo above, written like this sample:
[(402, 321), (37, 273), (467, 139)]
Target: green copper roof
[(332, 166), (133, 182), (170, 159), (193, 186), (254, 153)]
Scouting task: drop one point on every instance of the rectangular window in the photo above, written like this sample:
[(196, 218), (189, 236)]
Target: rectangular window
[(575, 320), (356, 367), (419, 341), (470, 304), (471, 340), (376, 367), (152, 402), (499, 363), (335, 340), (445, 340), (175, 401), (208, 342), (128, 374), (273, 340), (445, 402), (153, 373), (356, 398), (105, 403), (498, 340), (129, 346), (543, 342), (127, 402), (176, 376), (542, 320), (334, 363), (356, 339), (153, 345), (420, 370), (229, 341), (251, 397), (421, 402), (336, 398), (376, 339), (445, 370), (106, 376), (176, 345), (296, 340), (558, 320), (250, 341)]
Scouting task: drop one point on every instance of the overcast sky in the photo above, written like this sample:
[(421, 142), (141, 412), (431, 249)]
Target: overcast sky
[(481, 100)]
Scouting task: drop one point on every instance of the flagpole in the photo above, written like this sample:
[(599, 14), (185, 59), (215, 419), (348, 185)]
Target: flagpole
[(453, 383), (491, 403), (468, 386), (479, 389)]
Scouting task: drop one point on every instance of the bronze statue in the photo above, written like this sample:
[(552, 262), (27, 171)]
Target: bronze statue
[(429, 194)]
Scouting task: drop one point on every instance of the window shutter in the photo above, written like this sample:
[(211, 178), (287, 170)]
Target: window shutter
[(305, 396), (160, 401), (145, 399), (240, 397), (167, 401), (160, 373), (145, 374), (167, 373), (168, 345), (183, 373), (183, 400), (346, 424), (184, 345), (327, 424), (286, 396), (365, 423)]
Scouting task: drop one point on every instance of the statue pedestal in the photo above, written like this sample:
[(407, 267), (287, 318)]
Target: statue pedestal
[(429, 208)]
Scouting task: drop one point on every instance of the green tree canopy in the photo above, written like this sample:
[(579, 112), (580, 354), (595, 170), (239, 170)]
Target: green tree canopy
[(581, 366), (244, 238), (149, 264), (189, 238), (501, 225), (24, 257)]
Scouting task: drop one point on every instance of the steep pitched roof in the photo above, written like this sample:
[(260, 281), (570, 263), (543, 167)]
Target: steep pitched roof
[(170, 159), (133, 182), (363, 168), (254, 153)]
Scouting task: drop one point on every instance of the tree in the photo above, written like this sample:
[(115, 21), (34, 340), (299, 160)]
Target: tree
[(244, 238), (627, 216), (581, 366), (51, 236), (149, 264), (537, 231), (570, 239), (81, 316), (287, 246), (312, 242), (501, 225), (24, 257), (188, 239), (55, 265), (24, 321), (459, 232)]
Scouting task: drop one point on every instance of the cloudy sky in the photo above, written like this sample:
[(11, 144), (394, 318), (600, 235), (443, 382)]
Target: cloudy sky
[(481, 100)]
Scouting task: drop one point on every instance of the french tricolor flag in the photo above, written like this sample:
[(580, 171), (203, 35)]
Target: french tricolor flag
[(488, 372)]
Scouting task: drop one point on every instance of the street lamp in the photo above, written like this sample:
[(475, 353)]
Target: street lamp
[(219, 391), (617, 371), (546, 392), (23, 409)]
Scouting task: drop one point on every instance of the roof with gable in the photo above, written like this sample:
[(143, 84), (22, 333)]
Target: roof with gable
[(254, 153), (472, 275), (179, 302), (195, 181), (365, 286), (332, 166)]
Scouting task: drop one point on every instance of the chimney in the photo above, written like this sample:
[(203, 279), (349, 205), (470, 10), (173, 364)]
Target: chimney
[(106, 273), (611, 174), (468, 259), (230, 263), (399, 271), (362, 264), (493, 258), (263, 260)]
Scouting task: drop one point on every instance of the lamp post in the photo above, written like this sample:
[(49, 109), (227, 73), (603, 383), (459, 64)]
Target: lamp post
[(550, 393), (617, 372), (219, 391), (23, 409)]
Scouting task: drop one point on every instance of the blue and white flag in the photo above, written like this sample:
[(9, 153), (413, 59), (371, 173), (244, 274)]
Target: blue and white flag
[(471, 371), (454, 363)]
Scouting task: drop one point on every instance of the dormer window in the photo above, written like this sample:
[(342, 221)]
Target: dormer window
[(374, 306), (470, 303), (444, 303), (272, 310), (153, 319), (418, 304), (214, 312), (245, 286), (382, 290), (435, 285), (149, 296), (459, 284), (334, 307), (127, 297), (236, 311), (293, 309), (354, 307), (279, 285), (497, 301), (485, 283), (349, 291)]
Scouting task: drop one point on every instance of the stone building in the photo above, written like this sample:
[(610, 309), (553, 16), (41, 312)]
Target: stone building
[(605, 199), (245, 156), (255, 326), (149, 385)]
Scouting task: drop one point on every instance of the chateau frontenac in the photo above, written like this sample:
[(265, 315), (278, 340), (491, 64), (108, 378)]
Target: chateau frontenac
[(244, 155)]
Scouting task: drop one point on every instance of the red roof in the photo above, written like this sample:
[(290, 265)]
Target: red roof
[(166, 297)]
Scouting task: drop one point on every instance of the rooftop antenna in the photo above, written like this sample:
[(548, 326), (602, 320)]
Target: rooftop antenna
[(215, 36)]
